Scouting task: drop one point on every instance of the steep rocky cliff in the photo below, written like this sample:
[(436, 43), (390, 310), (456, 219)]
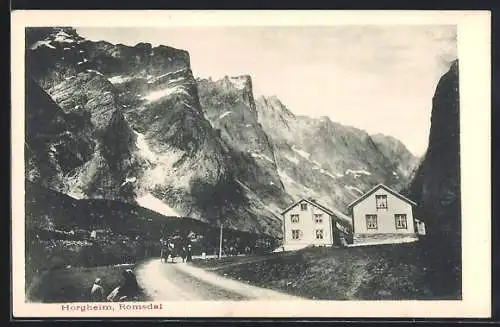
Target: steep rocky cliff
[(436, 186), (230, 107), (144, 139)]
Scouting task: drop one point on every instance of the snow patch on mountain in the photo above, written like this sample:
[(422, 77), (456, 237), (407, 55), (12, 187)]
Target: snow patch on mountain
[(261, 156), (301, 153), (225, 114), (353, 188), (357, 173), (153, 203), (153, 79), (118, 79), (129, 180), (75, 194), (292, 159), (327, 173), (44, 43), (158, 94), (144, 149), (82, 62), (238, 82), (161, 164), (95, 71), (63, 37)]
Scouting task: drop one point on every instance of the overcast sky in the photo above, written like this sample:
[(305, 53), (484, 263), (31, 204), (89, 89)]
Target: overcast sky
[(377, 78)]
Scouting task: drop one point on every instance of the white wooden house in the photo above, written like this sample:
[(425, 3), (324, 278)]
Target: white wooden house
[(419, 226), (382, 215), (308, 223)]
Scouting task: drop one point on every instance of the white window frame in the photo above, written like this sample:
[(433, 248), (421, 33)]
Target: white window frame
[(318, 218), (296, 234), (292, 216), (398, 217), (320, 233), (383, 197), (368, 225), (303, 207)]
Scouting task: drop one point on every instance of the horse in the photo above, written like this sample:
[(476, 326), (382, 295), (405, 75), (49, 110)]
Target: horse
[(183, 254), (170, 250), (165, 253), (173, 248)]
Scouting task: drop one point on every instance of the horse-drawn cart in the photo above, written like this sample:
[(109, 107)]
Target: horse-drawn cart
[(172, 248)]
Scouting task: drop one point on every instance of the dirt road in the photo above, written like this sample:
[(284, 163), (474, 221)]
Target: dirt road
[(183, 282)]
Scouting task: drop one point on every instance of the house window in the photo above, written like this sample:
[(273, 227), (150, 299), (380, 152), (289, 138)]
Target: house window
[(319, 234), (401, 222), (295, 234), (381, 201), (371, 222), (318, 218), (294, 218), (303, 206)]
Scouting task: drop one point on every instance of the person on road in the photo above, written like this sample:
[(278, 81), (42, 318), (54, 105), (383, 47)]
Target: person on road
[(189, 254), (97, 291)]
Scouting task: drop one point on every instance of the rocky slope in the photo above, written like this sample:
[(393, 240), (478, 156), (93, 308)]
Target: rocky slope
[(395, 150), (436, 186), (147, 140), (330, 161)]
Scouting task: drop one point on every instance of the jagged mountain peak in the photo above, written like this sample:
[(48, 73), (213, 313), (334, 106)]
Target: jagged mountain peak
[(52, 37), (239, 83), (454, 66), (274, 115)]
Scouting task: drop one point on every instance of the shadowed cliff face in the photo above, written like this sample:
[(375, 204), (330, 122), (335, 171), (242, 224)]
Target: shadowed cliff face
[(436, 186)]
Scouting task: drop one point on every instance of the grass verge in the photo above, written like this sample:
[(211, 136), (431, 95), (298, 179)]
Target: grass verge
[(381, 272), (74, 284)]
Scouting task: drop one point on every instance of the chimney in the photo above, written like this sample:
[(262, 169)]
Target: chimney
[(312, 200)]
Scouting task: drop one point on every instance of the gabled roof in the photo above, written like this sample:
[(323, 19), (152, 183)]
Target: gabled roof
[(332, 212), (396, 194)]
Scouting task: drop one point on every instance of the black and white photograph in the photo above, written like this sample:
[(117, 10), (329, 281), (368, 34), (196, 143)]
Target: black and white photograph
[(188, 163)]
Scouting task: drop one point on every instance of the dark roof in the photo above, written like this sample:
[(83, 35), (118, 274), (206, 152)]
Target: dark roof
[(333, 212), (396, 194)]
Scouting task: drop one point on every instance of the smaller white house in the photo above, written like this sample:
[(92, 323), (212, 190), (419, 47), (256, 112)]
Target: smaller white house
[(382, 215), (420, 226), (308, 223)]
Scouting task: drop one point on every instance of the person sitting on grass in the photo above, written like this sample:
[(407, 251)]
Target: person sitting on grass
[(97, 291), (128, 289)]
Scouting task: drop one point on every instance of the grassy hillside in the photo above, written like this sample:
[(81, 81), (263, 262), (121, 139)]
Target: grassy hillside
[(58, 232), (384, 272)]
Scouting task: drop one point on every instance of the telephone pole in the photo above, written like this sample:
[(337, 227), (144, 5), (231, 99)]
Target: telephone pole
[(220, 242)]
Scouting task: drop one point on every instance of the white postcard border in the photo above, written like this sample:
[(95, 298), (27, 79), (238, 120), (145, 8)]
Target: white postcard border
[(475, 69)]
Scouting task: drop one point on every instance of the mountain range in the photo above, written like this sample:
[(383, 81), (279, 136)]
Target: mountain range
[(133, 124)]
